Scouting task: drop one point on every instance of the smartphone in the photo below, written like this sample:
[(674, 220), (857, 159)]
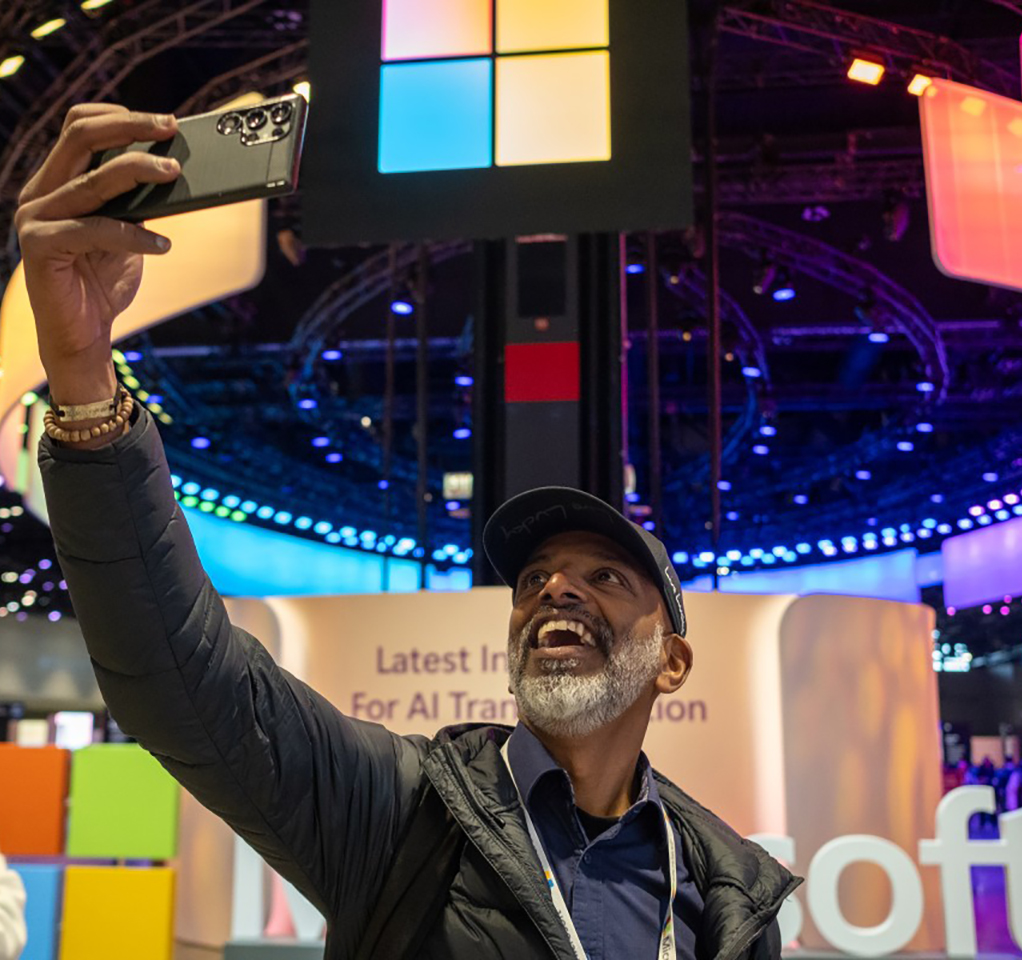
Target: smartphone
[(226, 155)]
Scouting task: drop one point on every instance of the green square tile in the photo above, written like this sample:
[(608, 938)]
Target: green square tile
[(124, 805)]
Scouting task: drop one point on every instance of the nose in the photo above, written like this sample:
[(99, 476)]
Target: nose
[(561, 590)]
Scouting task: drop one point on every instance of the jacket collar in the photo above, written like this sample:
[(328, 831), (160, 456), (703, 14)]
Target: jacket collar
[(741, 885)]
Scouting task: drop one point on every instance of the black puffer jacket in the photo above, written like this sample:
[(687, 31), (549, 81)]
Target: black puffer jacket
[(326, 799)]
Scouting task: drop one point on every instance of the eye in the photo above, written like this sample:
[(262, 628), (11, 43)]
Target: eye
[(609, 576), (532, 579)]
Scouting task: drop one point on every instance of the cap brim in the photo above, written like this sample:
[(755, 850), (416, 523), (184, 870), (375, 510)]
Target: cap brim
[(517, 528)]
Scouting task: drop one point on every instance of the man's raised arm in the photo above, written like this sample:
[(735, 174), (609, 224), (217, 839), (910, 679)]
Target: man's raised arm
[(319, 795)]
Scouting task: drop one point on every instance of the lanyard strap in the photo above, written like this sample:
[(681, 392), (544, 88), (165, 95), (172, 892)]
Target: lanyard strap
[(666, 949)]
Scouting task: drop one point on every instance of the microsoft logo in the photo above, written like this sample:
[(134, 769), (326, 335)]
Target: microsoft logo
[(480, 83)]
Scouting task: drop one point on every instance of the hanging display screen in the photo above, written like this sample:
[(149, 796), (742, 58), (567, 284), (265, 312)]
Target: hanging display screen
[(488, 118)]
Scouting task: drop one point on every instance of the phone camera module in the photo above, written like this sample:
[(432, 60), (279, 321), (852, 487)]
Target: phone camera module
[(255, 119), (280, 113), (229, 123)]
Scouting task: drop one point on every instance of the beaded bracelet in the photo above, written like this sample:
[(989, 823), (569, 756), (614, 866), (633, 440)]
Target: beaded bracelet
[(117, 421)]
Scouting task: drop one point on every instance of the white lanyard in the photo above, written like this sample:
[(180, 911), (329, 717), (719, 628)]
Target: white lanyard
[(666, 951)]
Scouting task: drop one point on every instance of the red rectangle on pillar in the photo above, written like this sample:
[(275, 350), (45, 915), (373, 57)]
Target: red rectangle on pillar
[(536, 372)]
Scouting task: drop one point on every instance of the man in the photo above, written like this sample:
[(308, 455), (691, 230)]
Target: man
[(555, 841)]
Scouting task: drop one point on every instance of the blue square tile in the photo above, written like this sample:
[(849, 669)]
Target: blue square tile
[(42, 908), (436, 116)]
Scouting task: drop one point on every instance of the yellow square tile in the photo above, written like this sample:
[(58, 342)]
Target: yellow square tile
[(553, 109), (527, 25), (117, 913)]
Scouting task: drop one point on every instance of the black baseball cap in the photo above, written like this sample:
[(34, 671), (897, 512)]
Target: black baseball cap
[(518, 527)]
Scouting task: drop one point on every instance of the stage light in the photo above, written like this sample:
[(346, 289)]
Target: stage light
[(321, 441), (155, 398), (331, 355), (10, 66), (45, 29), (132, 356), (866, 71), (929, 523), (753, 373), (383, 484), (264, 513), (761, 450), (649, 525), (785, 289), (707, 556), (919, 84), (906, 446), (462, 433), (680, 557), (453, 505), (994, 505), (463, 381), (210, 494), (732, 515), (249, 506), (976, 510), (402, 306), (943, 529), (231, 501), (924, 386), (634, 263), (936, 498), (334, 457), (303, 523), (801, 499), (990, 476), (307, 404), (322, 528), (200, 443), (767, 430), (632, 497), (1011, 498), (878, 336), (724, 485), (985, 520), (803, 548), (863, 475), (924, 428), (206, 506), (366, 422), (304, 89)]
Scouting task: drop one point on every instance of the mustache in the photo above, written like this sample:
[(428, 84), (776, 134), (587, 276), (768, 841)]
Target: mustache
[(598, 627)]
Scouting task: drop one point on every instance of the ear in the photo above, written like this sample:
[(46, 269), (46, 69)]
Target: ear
[(677, 664)]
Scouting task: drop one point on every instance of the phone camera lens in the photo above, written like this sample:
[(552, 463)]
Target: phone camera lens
[(280, 113), (255, 119), (229, 123)]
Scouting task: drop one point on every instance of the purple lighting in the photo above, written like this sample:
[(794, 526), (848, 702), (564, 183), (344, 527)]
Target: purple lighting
[(331, 354), (307, 404), (334, 457), (784, 293), (976, 510), (801, 499), (464, 381), (321, 441), (402, 308), (924, 386), (724, 485), (906, 446), (200, 443), (761, 450), (462, 433), (752, 373), (878, 336), (863, 475), (990, 477), (924, 428), (767, 430), (53, 616)]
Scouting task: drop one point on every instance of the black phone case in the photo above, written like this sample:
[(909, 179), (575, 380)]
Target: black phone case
[(216, 168)]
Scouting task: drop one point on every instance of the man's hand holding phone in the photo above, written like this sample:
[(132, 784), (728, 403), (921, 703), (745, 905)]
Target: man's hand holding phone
[(82, 270)]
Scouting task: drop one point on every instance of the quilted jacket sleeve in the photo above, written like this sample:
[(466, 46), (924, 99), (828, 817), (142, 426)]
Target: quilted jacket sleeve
[(319, 795)]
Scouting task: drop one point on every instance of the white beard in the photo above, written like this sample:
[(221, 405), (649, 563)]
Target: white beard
[(566, 705)]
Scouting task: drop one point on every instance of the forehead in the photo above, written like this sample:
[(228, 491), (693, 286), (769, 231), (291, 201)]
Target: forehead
[(582, 545)]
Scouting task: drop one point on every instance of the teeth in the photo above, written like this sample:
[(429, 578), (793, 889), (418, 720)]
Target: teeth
[(572, 626)]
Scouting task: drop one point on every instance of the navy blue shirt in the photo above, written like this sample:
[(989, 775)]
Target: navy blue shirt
[(616, 885)]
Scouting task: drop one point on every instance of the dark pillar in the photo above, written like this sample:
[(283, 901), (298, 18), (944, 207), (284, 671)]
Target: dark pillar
[(548, 379)]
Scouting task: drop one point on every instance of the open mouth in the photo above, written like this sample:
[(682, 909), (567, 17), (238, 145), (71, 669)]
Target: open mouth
[(555, 634)]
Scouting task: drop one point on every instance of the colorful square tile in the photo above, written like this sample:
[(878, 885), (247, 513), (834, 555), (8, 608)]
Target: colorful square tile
[(117, 913), (32, 801), (426, 29), (124, 805), (43, 885), (528, 25), (436, 116), (553, 108)]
